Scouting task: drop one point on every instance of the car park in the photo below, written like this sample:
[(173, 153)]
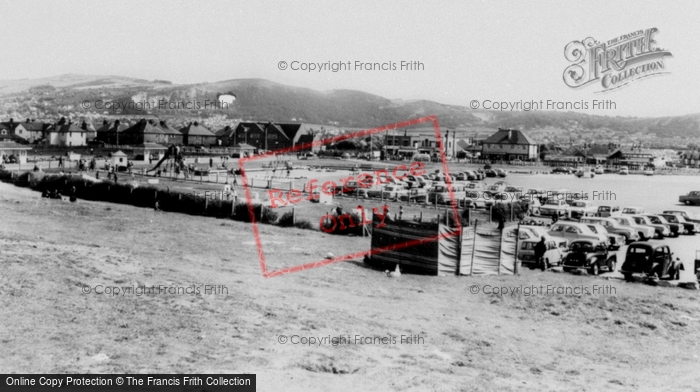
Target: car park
[(605, 211), (590, 255), (612, 226), (651, 260), (645, 232), (660, 230)]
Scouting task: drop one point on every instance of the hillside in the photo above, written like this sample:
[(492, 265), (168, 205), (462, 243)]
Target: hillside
[(260, 99)]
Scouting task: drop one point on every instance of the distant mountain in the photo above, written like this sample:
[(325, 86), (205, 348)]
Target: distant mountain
[(259, 99)]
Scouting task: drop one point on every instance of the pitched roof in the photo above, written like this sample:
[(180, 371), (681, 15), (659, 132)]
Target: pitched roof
[(112, 126), (194, 129), (144, 127), (168, 129), (13, 146), (509, 136)]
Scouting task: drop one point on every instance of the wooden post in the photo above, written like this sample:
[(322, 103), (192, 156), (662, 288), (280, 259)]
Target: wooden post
[(471, 267)]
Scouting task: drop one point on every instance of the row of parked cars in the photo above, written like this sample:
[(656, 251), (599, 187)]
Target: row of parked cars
[(588, 243)]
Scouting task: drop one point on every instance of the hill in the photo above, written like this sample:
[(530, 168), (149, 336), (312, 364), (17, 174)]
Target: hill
[(260, 99)]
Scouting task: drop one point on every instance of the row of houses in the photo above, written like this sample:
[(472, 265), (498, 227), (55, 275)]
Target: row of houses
[(260, 135)]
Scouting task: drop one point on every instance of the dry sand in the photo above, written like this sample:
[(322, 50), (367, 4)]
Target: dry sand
[(640, 338)]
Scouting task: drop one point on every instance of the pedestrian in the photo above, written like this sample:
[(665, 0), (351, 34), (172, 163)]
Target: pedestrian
[(540, 249)]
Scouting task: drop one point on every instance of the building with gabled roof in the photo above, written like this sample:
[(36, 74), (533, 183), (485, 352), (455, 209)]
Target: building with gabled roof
[(144, 131), (194, 134), (110, 131), (66, 134), (508, 145)]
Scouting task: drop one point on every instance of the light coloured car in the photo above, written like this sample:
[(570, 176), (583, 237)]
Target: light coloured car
[(575, 231), (645, 232), (615, 241), (554, 255), (612, 226), (660, 230), (605, 211), (581, 208), (554, 207)]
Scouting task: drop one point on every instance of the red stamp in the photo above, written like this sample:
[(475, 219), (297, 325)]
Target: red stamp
[(268, 273)]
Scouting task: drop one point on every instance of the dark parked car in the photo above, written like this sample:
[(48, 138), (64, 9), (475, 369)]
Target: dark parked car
[(590, 255), (652, 260), (561, 170), (688, 227)]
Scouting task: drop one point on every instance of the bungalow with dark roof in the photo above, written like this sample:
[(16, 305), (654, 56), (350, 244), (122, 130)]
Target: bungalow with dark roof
[(508, 145), (194, 134)]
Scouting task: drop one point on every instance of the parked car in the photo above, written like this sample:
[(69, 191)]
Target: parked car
[(561, 170), (590, 255), (581, 208), (615, 241), (688, 227), (651, 260), (585, 173), (605, 211), (554, 207), (575, 231), (554, 255), (633, 210), (418, 195), (675, 228), (660, 230), (683, 214), (645, 232), (692, 198), (614, 227)]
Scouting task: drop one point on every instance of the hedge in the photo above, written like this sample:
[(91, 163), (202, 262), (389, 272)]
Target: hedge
[(141, 196)]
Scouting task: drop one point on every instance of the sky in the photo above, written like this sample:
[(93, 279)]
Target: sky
[(501, 51)]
